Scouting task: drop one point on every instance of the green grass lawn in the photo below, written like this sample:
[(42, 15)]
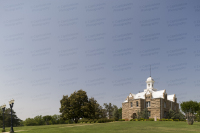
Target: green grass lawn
[(114, 127)]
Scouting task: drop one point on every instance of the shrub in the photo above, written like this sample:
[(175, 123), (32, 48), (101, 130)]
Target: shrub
[(90, 121), (95, 120), (151, 119), (121, 119), (86, 120), (111, 120), (99, 121), (170, 120), (126, 119), (176, 119)]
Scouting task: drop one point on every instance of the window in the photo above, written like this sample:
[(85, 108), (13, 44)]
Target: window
[(165, 114), (164, 104), (149, 85), (136, 103), (149, 113), (147, 104), (174, 107), (131, 104)]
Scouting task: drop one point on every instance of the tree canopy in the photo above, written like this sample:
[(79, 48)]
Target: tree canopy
[(190, 106), (74, 107)]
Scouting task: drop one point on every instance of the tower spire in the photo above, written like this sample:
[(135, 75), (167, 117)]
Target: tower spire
[(150, 70)]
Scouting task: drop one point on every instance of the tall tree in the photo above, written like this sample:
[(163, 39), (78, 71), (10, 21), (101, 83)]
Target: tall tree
[(116, 113), (7, 118), (190, 106), (47, 119), (74, 107), (39, 120), (109, 108), (93, 109), (120, 113)]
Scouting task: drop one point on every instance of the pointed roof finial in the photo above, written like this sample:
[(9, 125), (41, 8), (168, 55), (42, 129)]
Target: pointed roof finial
[(150, 70)]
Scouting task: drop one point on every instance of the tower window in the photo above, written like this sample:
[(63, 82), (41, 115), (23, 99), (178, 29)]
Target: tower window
[(164, 104), (131, 104), (136, 103), (149, 85)]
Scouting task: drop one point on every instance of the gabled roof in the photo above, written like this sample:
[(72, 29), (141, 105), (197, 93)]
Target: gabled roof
[(155, 94), (171, 97)]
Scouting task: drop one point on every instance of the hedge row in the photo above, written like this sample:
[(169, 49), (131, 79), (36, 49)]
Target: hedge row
[(171, 120), (142, 119), (152, 119), (102, 120)]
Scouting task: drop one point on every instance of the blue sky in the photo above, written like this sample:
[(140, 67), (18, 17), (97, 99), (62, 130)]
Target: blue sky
[(52, 48)]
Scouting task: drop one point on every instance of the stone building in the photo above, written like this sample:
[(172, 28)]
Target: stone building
[(158, 103)]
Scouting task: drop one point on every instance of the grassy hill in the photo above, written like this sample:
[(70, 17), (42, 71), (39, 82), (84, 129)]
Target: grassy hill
[(114, 127)]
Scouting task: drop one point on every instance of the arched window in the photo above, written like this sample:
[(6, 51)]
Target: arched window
[(137, 104)]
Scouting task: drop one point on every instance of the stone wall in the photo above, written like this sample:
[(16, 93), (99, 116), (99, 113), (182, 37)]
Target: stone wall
[(157, 107), (125, 110)]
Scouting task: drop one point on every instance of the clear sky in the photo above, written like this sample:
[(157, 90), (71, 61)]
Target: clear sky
[(51, 48)]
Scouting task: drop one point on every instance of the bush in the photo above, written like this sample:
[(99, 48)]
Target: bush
[(86, 120), (126, 119), (151, 119), (121, 119), (90, 121), (176, 120), (111, 120), (95, 120)]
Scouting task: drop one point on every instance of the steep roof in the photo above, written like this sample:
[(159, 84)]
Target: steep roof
[(155, 94)]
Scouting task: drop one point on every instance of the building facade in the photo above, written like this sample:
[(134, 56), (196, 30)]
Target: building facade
[(158, 103)]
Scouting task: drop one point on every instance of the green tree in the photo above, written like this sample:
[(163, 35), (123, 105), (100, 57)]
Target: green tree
[(143, 114), (190, 106), (7, 118), (39, 120), (55, 119), (103, 112), (30, 122), (120, 112), (116, 113), (109, 108), (74, 107), (47, 119), (93, 109), (171, 114)]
